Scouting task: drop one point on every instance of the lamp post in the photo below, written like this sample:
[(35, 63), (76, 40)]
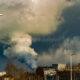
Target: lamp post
[(73, 48), (71, 65), (71, 61)]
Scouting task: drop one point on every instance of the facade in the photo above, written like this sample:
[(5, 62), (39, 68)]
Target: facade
[(65, 75), (61, 67), (49, 72)]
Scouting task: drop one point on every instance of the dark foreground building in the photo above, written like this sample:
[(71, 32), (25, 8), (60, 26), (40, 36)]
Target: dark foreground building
[(65, 75), (53, 73)]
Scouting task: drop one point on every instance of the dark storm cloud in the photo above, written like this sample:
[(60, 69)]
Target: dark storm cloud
[(71, 26)]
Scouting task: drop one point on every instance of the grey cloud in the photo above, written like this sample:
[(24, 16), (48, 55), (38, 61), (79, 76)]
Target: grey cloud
[(62, 54)]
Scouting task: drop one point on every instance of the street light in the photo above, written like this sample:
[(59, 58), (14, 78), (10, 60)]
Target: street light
[(72, 47), (71, 66), (71, 55)]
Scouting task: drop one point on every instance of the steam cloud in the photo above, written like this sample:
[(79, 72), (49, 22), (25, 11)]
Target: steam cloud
[(21, 50)]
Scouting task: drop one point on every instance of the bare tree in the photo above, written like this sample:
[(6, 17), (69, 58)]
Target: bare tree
[(11, 69), (14, 71)]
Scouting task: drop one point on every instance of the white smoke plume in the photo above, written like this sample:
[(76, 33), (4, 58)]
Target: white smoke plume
[(21, 50), (62, 54)]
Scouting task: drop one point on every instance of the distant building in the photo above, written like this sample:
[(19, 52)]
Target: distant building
[(61, 67), (55, 66), (49, 72)]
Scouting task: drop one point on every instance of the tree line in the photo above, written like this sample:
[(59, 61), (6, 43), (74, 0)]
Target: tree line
[(19, 73)]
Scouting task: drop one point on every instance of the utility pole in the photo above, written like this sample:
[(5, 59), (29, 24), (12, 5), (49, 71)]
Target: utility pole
[(71, 65)]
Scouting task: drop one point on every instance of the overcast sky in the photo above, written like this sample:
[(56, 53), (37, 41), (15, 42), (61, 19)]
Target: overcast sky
[(33, 31)]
